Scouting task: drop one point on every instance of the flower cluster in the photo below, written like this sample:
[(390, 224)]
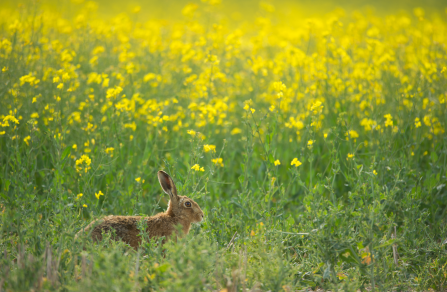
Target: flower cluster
[(83, 164)]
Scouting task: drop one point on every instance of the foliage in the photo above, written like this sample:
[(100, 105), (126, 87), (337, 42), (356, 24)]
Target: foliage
[(316, 148)]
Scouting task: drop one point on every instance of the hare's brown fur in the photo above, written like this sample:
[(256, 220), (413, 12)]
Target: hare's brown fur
[(181, 211)]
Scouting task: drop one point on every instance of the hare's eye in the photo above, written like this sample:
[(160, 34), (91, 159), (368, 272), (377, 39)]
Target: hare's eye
[(188, 204)]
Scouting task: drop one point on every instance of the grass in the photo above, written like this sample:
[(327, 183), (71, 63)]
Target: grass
[(320, 148)]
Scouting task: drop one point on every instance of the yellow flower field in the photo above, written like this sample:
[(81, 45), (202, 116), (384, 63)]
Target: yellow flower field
[(319, 141)]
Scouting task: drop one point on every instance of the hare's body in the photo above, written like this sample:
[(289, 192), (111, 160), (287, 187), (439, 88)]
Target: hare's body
[(181, 211)]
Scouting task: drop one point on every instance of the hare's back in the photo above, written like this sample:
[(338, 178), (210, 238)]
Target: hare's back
[(123, 227)]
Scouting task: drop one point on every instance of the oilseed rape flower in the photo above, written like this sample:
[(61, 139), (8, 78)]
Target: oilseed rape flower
[(417, 123), (113, 92), (218, 161), (191, 132), (83, 164), (389, 120), (138, 179), (279, 86), (97, 195), (208, 148), (316, 107), (10, 118), (27, 139), (295, 162), (277, 162), (197, 167), (350, 156), (109, 151), (351, 134), (235, 131)]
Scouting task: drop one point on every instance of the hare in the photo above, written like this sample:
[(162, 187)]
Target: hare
[(181, 211)]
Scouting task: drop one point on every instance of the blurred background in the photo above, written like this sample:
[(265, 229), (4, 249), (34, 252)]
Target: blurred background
[(239, 10)]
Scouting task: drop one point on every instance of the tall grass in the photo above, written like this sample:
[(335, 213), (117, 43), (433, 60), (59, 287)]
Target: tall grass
[(320, 148)]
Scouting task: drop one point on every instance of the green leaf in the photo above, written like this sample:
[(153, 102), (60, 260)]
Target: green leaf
[(4, 196), (388, 243), (434, 156), (271, 159), (66, 152), (7, 184)]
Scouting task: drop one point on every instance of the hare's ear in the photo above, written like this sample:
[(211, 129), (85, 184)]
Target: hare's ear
[(167, 184)]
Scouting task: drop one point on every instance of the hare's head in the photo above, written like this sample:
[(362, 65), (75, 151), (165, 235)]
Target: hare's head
[(179, 206)]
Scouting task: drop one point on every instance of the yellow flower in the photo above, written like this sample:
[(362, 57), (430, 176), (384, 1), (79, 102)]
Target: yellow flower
[(113, 92), (296, 162), (138, 179), (109, 151), (235, 131), (279, 86), (310, 142), (56, 79), (27, 139), (191, 132), (2, 133), (196, 167), (350, 156), (427, 121), (389, 120), (65, 77), (272, 108), (351, 134), (34, 115), (325, 135), (74, 146), (417, 123), (218, 161), (209, 148), (60, 86), (246, 107), (136, 9), (375, 172), (85, 205), (316, 107), (252, 110), (97, 195), (277, 162), (83, 164), (10, 118), (80, 195)]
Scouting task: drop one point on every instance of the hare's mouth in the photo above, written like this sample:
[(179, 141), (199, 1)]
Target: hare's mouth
[(200, 218)]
